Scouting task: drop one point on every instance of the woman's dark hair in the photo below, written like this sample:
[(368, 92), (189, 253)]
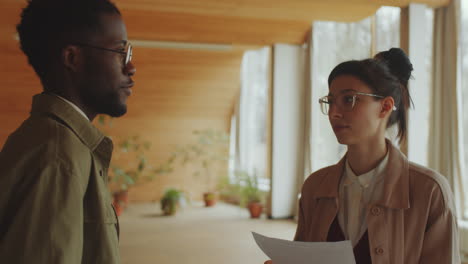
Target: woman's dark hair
[(46, 26), (387, 74)]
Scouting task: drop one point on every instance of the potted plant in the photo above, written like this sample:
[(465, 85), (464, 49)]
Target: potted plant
[(210, 198), (130, 166), (251, 196), (229, 190), (209, 151), (170, 201)]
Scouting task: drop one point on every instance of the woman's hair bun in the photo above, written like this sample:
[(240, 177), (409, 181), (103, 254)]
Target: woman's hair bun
[(398, 63)]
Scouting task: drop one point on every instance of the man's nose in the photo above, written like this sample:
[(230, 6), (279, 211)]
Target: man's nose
[(130, 69)]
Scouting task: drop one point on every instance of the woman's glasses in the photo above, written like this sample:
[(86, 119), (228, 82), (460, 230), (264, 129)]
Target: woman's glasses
[(344, 102)]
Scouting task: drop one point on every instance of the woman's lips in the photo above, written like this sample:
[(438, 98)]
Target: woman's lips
[(339, 128)]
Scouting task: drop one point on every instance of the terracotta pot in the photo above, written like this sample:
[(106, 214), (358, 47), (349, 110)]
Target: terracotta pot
[(120, 201), (255, 209), (209, 198), (117, 207)]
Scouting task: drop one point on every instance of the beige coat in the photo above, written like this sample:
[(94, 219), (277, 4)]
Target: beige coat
[(54, 204), (413, 222)]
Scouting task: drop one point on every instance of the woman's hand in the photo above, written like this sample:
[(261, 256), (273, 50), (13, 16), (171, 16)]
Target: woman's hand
[(268, 262)]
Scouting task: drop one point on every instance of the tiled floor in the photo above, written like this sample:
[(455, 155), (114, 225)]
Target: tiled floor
[(199, 235)]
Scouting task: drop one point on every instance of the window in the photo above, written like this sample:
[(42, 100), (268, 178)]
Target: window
[(333, 43), (387, 28), (252, 147)]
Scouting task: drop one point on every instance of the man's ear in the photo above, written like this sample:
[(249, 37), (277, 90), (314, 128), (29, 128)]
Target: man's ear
[(387, 105), (72, 57)]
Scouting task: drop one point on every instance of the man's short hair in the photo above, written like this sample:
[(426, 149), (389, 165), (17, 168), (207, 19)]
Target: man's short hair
[(47, 26)]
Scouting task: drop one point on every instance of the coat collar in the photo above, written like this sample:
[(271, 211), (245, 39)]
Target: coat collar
[(396, 180), (51, 105)]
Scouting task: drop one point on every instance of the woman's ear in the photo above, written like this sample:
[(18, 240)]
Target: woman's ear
[(388, 105), (72, 57)]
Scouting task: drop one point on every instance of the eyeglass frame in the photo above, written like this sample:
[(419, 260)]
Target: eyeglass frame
[(128, 53), (322, 101)]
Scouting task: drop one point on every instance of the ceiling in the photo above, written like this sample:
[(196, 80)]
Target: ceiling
[(255, 22), (238, 22)]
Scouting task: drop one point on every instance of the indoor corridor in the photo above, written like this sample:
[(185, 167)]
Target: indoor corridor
[(199, 235)]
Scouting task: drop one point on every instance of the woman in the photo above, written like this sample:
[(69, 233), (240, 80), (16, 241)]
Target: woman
[(392, 210)]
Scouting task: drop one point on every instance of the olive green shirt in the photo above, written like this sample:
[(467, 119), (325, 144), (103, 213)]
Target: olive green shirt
[(55, 207)]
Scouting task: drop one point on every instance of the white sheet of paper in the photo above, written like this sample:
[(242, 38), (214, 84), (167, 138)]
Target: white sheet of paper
[(282, 251)]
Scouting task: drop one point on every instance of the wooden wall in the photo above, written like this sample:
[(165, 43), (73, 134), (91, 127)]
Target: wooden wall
[(19, 81), (176, 92)]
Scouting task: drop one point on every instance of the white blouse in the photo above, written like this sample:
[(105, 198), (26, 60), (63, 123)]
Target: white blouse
[(356, 193)]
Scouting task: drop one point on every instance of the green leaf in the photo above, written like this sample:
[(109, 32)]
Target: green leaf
[(142, 164)]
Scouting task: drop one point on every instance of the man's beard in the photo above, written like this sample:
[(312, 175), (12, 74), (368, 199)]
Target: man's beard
[(105, 103)]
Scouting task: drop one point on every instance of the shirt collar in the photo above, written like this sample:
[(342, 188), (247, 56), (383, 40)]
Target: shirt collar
[(74, 106), (396, 184), (365, 179)]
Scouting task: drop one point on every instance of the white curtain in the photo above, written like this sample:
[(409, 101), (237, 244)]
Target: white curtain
[(308, 104), (234, 154), (446, 148), (420, 51), (307, 164), (446, 135), (251, 118)]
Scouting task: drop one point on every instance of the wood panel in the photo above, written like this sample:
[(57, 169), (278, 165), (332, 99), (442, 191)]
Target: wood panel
[(183, 27), (274, 9), (257, 22), (19, 83), (178, 91)]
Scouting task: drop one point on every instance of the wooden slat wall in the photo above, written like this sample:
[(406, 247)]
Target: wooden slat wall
[(176, 92), (185, 27), (19, 81)]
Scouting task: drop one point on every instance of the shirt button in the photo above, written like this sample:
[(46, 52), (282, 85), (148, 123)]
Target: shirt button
[(379, 251), (375, 210)]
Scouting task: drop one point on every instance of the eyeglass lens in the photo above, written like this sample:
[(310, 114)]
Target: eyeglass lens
[(128, 57), (344, 102)]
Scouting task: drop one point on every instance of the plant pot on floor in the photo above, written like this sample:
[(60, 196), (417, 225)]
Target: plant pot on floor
[(120, 201), (170, 201), (168, 207), (209, 198), (255, 209)]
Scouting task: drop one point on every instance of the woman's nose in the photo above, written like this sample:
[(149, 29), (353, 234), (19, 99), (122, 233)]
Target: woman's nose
[(334, 112)]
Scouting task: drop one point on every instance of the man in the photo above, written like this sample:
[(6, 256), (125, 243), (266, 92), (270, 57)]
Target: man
[(54, 204)]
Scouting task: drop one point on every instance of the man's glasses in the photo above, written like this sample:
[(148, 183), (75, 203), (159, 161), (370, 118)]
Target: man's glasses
[(127, 51), (345, 102)]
